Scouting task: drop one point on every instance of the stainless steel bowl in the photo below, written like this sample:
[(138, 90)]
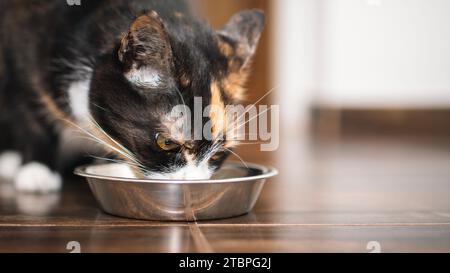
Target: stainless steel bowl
[(232, 191)]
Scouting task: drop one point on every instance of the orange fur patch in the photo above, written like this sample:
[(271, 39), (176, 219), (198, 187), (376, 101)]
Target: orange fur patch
[(146, 24), (143, 21), (234, 84), (54, 113), (184, 80), (51, 107), (226, 49), (178, 14), (217, 113)]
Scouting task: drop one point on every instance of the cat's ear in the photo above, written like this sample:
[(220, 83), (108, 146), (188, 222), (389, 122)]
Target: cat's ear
[(145, 52), (238, 38)]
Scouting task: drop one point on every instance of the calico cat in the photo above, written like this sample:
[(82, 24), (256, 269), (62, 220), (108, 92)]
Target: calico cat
[(114, 69)]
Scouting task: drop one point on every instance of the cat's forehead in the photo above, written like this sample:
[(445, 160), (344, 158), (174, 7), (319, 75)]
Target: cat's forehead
[(197, 62)]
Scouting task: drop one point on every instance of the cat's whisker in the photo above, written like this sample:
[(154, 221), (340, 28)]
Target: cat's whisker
[(236, 155), (123, 151), (131, 165), (102, 142), (114, 160), (129, 154), (265, 95), (125, 162), (95, 123), (99, 107), (241, 137), (181, 97), (244, 123), (250, 143), (235, 122), (260, 99)]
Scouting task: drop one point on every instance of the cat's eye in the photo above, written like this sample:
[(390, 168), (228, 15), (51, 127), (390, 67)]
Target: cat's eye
[(166, 143)]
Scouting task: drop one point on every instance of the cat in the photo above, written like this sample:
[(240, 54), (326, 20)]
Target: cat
[(114, 69)]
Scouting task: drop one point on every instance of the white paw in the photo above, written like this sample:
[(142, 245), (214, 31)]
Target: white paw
[(37, 178), (9, 164)]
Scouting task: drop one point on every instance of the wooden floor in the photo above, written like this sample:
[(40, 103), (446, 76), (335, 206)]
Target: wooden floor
[(339, 196)]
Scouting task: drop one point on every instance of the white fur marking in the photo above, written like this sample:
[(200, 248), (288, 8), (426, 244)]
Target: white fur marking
[(9, 164), (79, 100), (37, 178), (145, 77), (190, 171), (124, 171)]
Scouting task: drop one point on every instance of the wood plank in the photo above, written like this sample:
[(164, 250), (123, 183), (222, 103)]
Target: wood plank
[(327, 239), (118, 239), (227, 239)]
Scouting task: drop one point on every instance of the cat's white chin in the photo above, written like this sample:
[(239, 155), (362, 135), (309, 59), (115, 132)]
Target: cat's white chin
[(185, 173)]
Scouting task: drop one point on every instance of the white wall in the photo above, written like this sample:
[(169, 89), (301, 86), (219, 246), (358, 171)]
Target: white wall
[(294, 57), (370, 53)]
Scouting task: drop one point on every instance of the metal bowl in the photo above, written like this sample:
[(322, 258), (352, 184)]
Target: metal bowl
[(232, 191)]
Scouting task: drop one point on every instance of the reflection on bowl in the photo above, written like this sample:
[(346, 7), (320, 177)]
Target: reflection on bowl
[(232, 191)]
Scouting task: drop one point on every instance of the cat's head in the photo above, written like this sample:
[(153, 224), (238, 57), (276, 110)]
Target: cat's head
[(162, 63)]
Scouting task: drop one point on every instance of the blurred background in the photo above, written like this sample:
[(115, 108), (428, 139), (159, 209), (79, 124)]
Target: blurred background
[(364, 94)]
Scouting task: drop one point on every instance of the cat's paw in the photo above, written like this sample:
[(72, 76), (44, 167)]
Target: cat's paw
[(10, 163), (35, 177)]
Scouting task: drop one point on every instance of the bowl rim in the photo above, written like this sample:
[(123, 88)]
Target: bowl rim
[(267, 172)]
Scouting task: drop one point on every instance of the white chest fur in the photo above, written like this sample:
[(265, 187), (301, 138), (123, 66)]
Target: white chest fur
[(73, 141), (79, 100)]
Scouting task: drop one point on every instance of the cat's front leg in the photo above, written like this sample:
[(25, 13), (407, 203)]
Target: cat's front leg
[(36, 177), (34, 164)]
